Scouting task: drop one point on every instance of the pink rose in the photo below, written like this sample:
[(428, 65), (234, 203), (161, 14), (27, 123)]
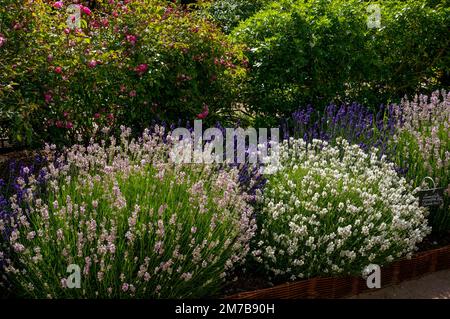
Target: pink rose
[(48, 97), (58, 70), (66, 30), (85, 10), (92, 64), (133, 93), (132, 39), (204, 113), (58, 5), (95, 24), (141, 68), (96, 116), (105, 22), (69, 125), (2, 41)]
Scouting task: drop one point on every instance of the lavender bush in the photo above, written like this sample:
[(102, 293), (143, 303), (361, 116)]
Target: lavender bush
[(330, 210), (136, 225), (422, 146), (354, 122), (414, 135)]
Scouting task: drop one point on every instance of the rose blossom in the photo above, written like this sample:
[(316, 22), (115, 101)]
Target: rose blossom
[(132, 39), (58, 5), (141, 69), (204, 113), (92, 64), (48, 97), (85, 10)]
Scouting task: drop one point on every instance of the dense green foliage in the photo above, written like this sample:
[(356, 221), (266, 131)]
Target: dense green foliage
[(320, 51)]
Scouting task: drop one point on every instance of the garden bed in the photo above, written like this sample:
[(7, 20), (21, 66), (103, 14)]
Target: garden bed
[(339, 287)]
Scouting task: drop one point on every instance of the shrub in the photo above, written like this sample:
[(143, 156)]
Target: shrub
[(137, 225), (321, 51), (330, 210), (128, 64), (422, 147)]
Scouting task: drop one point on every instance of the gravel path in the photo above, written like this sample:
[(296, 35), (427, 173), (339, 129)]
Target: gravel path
[(432, 286)]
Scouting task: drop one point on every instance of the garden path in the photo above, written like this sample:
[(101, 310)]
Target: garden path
[(430, 286)]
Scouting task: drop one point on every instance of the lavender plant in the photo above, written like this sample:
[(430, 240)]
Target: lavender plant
[(330, 210), (414, 135), (137, 225), (354, 122), (422, 144)]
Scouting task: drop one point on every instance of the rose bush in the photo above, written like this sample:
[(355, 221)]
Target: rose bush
[(122, 62)]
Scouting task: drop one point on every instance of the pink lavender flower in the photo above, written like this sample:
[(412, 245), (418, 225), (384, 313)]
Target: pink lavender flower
[(31, 235), (2, 41), (186, 276), (158, 247), (18, 248), (60, 234), (87, 265)]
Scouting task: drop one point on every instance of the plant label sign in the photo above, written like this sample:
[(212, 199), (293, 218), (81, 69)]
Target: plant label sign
[(431, 197)]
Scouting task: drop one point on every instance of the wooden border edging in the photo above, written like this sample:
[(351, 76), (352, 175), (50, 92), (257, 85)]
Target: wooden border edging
[(339, 287)]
